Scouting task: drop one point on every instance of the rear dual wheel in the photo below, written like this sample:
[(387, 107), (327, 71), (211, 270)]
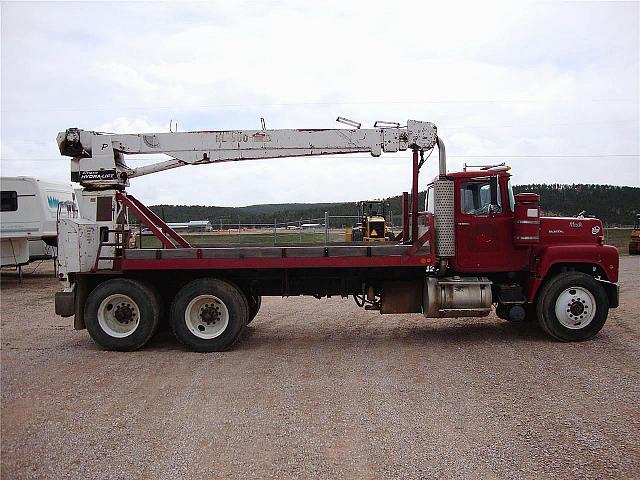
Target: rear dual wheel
[(122, 314), (209, 315)]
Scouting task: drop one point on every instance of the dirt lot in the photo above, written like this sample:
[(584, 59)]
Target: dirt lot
[(324, 389)]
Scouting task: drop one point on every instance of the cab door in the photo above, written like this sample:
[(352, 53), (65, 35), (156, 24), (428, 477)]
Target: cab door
[(483, 232)]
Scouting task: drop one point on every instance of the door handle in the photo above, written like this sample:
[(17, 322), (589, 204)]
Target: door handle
[(463, 224)]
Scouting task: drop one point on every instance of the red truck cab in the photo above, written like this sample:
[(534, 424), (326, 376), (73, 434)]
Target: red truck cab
[(504, 237)]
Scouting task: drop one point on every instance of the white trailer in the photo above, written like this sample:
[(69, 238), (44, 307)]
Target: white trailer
[(29, 214)]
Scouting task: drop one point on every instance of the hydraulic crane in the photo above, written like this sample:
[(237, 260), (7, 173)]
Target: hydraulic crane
[(98, 159)]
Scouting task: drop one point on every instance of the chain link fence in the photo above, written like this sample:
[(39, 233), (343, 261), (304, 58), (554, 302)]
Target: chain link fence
[(321, 230)]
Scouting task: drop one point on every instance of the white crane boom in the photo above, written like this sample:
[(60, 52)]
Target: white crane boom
[(98, 158)]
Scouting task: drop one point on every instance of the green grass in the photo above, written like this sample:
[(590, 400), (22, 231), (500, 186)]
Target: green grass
[(618, 237), (246, 239)]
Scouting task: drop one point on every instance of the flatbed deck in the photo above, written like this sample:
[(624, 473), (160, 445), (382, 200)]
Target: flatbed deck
[(279, 256)]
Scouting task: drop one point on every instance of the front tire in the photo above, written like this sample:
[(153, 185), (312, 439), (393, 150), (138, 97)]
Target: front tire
[(572, 307), (122, 314), (208, 315)]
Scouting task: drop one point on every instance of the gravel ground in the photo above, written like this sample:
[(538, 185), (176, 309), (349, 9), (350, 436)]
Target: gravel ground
[(321, 388)]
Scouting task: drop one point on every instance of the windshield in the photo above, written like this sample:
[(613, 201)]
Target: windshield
[(372, 209)]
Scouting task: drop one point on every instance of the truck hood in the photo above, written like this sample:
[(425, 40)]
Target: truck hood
[(558, 230)]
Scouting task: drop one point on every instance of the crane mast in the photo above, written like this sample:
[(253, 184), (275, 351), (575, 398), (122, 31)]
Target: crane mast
[(98, 159)]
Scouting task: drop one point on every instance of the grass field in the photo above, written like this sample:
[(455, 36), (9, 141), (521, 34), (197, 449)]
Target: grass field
[(618, 237), (204, 239)]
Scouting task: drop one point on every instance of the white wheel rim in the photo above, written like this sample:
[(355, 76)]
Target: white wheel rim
[(118, 315), (206, 316), (575, 308)]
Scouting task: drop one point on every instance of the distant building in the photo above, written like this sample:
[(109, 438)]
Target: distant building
[(310, 226), (192, 226)]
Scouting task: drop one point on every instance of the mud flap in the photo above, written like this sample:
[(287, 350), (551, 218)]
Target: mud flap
[(613, 292), (65, 303)]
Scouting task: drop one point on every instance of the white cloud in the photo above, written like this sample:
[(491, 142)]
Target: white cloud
[(497, 78)]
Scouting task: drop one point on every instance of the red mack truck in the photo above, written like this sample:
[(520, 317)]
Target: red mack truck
[(473, 246)]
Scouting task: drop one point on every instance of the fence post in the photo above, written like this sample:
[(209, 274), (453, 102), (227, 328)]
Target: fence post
[(275, 230), (300, 230), (326, 227)]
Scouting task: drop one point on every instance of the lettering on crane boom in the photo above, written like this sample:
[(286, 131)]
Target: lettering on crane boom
[(93, 175), (240, 137)]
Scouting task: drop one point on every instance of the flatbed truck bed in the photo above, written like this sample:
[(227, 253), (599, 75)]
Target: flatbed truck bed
[(259, 257)]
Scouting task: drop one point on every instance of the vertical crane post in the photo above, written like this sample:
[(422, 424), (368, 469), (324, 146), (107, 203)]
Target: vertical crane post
[(414, 197), (405, 218)]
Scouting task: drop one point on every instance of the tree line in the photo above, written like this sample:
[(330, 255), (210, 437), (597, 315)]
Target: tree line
[(612, 204)]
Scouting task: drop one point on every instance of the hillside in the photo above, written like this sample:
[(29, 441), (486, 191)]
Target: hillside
[(614, 205)]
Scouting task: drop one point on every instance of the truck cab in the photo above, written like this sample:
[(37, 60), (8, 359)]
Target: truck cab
[(503, 236)]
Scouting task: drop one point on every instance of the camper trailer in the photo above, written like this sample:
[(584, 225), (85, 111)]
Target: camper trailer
[(28, 216)]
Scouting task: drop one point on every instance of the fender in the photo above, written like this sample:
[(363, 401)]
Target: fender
[(604, 256)]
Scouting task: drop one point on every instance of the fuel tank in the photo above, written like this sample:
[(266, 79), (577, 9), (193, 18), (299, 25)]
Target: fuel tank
[(456, 297), (560, 230)]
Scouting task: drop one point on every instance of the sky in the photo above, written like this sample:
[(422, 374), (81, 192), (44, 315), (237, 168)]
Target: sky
[(550, 88)]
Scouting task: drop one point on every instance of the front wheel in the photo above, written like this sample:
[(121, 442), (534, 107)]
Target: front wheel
[(208, 315), (572, 307)]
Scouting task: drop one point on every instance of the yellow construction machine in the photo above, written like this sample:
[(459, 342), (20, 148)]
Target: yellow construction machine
[(373, 222), (634, 243)]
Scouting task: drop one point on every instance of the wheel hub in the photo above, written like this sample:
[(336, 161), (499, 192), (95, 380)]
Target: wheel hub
[(206, 316), (209, 314), (123, 314), (118, 315), (575, 307)]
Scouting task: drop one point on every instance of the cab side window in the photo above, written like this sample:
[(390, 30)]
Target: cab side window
[(475, 198)]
